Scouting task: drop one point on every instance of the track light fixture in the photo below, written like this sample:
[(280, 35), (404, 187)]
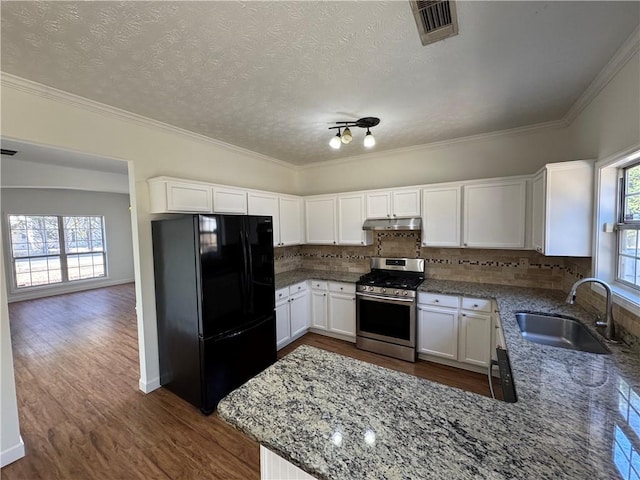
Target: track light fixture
[(346, 137)]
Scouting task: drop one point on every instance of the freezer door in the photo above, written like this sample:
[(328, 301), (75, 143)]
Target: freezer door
[(259, 242), (223, 274), (228, 362)]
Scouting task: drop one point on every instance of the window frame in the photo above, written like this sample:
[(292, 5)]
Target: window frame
[(63, 255), (626, 225)]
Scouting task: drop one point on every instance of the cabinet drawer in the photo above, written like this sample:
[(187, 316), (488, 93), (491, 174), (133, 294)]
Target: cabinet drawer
[(297, 287), (319, 285), (342, 287), (439, 300), (477, 304), (282, 294)]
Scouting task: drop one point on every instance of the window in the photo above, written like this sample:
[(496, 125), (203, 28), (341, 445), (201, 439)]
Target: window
[(628, 267), (50, 249)]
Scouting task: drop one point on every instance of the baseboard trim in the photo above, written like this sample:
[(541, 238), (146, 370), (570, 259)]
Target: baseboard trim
[(12, 454), (69, 288), (150, 386)]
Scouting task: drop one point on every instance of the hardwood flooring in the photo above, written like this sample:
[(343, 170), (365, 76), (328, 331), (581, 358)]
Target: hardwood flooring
[(83, 417)]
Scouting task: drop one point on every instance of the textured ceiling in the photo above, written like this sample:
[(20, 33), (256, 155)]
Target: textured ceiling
[(272, 76)]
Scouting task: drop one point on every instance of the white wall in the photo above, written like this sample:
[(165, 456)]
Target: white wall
[(11, 446), (611, 122), (26, 174), (40, 115), (483, 156), (113, 206)]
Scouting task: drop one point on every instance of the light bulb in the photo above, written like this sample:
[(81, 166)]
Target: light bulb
[(369, 140), (335, 142), (346, 136)]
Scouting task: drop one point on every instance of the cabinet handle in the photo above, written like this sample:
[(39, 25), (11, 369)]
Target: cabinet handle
[(394, 214), (334, 242), (475, 305), (388, 215), (465, 244), (361, 243), (353, 298), (324, 294), (464, 314), (436, 301), (341, 288)]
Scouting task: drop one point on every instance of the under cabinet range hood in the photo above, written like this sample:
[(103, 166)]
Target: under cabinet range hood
[(410, 223)]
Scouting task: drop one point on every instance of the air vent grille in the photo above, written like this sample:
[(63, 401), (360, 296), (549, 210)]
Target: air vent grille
[(436, 20), (5, 151)]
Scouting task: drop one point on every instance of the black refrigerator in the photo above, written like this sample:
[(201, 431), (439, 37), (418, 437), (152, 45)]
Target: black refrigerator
[(214, 279)]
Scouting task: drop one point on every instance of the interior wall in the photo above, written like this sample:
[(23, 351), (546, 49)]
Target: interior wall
[(611, 122), (30, 113), (11, 445), (497, 155), (117, 223), (24, 174)]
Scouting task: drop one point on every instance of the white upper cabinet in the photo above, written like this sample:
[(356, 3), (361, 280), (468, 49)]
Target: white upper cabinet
[(168, 195), (321, 220), (260, 203), (562, 206), (441, 216), (393, 203), (290, 221), (405, 202), (351, 216), (229, 200), (494, 214)]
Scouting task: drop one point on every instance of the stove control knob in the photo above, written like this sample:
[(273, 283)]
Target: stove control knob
[(406, 293), (383, 290), (397, 292), (371, 289)]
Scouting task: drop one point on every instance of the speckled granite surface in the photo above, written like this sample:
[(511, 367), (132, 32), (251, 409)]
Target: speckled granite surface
[(289, 278), (571, 406)]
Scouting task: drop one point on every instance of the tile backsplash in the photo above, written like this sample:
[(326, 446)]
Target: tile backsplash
[(524, 268)]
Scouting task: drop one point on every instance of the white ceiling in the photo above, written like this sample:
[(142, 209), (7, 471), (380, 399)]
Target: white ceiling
[(272, 76)]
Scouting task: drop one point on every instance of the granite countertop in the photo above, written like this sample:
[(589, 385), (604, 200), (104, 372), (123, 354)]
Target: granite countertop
[(339, 418), (289, 278)]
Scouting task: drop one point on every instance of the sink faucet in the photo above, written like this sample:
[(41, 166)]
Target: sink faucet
[(607, 323)]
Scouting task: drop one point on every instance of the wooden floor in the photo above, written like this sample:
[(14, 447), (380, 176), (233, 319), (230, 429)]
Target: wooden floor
[(82, 415)]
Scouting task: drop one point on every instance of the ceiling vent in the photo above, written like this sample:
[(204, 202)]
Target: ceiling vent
[(436, 20), (5, 151)]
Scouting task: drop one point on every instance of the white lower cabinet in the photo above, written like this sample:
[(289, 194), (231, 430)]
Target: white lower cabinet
[(319, 304), (333, 309), (283, 322), (438, 332), (456, 330), (299, 314), (292, 313)]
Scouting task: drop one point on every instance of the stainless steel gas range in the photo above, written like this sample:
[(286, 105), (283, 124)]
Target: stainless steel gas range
[(386, 301)]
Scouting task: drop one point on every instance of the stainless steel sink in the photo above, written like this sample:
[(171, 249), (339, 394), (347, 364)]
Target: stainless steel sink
[(559, 331)]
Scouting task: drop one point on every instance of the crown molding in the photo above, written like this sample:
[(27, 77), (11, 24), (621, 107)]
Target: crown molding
[(555, 124), (626, 51), (34, 88)]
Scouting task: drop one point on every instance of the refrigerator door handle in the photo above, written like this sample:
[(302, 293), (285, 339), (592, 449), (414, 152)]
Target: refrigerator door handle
[(245, 273), (250, 269)]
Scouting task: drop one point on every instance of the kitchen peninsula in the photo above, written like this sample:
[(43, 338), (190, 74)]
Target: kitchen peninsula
[(335, 417)]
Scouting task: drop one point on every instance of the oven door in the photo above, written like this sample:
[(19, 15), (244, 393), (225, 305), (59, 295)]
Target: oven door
[(386, 318)]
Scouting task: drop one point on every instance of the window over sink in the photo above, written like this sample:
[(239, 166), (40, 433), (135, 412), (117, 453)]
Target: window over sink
[(628, 228)]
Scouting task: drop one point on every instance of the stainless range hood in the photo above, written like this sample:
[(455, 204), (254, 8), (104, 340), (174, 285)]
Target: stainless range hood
[(411, 223)]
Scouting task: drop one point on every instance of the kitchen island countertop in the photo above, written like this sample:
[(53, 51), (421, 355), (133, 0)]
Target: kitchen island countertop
[(577, 415)]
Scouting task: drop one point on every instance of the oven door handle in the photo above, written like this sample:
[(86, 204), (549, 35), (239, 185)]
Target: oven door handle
[(386, 299)]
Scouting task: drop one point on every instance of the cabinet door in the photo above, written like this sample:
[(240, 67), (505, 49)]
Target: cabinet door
[(379, 204), (229, 200), (494, 214), (321, 220), (441, 216), (475, 338), (299, 313), (283, 325), (438, 332), (537, 212), (351, 216), (406, 203), (319, 309), (342, 313), (190, 198), (290, 221), (266, 204)]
